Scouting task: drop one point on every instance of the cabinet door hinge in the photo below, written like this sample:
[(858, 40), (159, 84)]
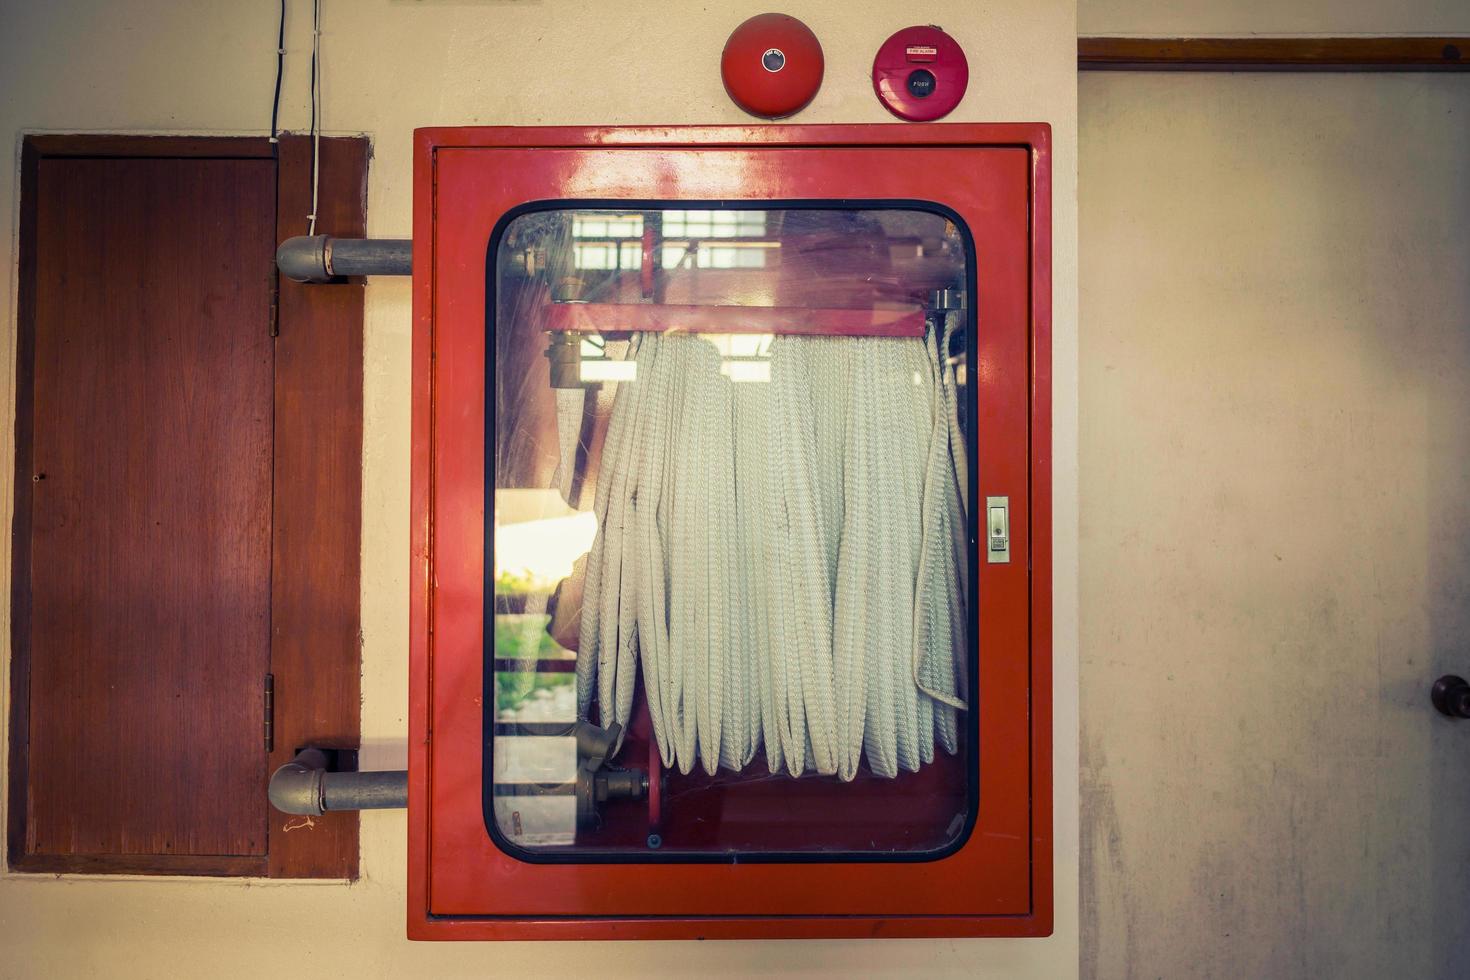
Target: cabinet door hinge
[(270, 713), (275, 327)]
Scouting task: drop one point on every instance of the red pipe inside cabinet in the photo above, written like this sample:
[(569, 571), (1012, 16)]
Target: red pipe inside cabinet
[(731, 564)]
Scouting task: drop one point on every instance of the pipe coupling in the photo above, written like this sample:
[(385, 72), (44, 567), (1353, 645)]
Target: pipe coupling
[(322, 258), (304, 785), (296, 787)]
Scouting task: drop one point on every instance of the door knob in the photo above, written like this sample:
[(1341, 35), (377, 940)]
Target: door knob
[(1451, 696)]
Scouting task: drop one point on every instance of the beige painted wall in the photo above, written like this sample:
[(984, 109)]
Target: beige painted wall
[(1275, 532), (391, 65)]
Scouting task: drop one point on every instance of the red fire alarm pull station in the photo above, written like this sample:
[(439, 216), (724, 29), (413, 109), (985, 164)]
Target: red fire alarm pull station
[(772, 65), (731, 579), (920, 74)]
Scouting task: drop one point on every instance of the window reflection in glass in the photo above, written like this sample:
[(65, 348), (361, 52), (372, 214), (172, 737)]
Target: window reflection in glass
[(778, 381)]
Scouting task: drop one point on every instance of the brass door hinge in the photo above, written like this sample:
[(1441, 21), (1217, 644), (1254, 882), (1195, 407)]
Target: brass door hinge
[(275, 281), (270, 713)]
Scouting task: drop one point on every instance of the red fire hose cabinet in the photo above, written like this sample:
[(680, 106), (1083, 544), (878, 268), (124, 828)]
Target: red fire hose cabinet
[(731, 533)]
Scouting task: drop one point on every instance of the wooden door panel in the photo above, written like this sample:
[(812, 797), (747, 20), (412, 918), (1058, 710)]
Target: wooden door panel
[(151, 506)]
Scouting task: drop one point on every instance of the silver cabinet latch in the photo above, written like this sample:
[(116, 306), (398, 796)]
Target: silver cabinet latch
[(998, 530)]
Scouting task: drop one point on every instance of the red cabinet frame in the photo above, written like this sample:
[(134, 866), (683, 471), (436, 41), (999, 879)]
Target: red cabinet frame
[(999, 882)]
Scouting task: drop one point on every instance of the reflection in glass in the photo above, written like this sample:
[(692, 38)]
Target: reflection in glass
[(735, 489)]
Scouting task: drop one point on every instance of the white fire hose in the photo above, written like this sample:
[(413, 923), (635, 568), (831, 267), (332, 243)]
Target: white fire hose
[(786, 561)]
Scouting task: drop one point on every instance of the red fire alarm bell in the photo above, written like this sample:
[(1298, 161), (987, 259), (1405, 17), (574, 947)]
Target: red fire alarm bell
[(920, 74), (772, 65)]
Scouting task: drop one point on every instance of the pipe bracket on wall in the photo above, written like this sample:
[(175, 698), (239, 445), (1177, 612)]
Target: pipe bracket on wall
[(322, 258), (306, 785)]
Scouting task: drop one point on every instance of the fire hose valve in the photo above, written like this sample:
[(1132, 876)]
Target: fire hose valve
[(596, 785), (564, 354)]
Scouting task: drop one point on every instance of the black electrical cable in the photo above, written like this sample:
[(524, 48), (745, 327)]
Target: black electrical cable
[(280, 71), (316, 33), (276, 160)]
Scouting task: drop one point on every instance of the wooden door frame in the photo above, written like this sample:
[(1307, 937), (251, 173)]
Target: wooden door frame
[(316, 520), (1297, 54)]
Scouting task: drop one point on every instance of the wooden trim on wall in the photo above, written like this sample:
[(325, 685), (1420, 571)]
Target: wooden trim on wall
[(1273, 54), (316, 525), (210, 865), (129, 145), (20, 546), (317, 503)]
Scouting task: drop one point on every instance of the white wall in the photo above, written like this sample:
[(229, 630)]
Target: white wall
[(1272, 393), (392, 65), (1275, 398)]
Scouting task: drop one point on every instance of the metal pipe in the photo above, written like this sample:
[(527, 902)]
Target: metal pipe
[(385, 790), (304, 785), (322, 258)]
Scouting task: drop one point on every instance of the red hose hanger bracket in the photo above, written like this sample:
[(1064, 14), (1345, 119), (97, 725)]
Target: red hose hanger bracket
[(772, 65), (621, 318), (920, 74)]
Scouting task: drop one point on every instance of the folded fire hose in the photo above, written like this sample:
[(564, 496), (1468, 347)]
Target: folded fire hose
[(786, 561)]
